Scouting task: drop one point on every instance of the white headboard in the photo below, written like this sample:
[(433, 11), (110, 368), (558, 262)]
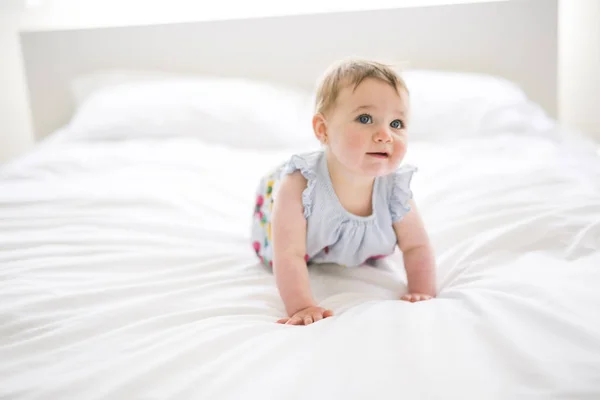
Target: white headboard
[(513, 39)]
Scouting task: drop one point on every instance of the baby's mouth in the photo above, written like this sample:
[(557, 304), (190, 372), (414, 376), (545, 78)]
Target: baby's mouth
[(379, 154)]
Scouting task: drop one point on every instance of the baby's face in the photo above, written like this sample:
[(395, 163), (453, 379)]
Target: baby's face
[(367, 128)]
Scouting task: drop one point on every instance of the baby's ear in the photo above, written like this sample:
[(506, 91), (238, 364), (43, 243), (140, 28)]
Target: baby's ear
[(320, 127)]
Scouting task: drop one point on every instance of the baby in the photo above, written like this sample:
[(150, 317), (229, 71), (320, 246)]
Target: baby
[(349, 203)]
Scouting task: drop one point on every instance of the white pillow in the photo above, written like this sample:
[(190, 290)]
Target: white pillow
[(83, 86), (448, 105), (250, 114), (231, 111)]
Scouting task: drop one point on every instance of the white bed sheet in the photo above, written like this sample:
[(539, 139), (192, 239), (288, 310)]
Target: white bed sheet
[(125, 273)]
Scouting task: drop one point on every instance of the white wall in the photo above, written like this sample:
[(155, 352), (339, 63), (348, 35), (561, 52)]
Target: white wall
[(86, 13), (579, 65)]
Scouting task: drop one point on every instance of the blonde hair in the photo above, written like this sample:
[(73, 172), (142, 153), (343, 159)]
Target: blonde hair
[(351, 72)]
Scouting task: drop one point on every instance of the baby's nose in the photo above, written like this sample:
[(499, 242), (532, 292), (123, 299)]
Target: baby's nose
[(383, 135)]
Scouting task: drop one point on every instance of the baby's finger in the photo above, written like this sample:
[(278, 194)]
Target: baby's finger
[(327, 313), (406, 297), (317, 317), (308, 320), (282, 320)]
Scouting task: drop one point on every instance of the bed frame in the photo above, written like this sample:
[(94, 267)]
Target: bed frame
[(513, 39)]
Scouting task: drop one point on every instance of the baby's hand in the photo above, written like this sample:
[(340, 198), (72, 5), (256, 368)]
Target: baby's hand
[(306, 316), (413, 297)]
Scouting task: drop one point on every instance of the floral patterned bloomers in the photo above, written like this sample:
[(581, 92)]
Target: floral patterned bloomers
[(333, 234)]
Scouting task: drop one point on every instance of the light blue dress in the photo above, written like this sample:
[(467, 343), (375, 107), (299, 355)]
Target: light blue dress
[(333, 234)]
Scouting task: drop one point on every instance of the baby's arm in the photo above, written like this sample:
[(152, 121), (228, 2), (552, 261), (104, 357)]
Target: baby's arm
[(419, 260), (289, 249)]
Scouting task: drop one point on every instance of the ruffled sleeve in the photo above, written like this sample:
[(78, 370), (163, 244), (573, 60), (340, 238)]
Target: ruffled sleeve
[(400, 192), (307, 165)]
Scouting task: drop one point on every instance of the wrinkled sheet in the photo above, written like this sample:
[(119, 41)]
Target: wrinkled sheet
[(126, 273)]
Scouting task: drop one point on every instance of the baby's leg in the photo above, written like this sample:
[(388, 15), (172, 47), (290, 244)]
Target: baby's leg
[(261, 221)]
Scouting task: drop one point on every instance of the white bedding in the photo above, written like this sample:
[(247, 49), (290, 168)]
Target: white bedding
[(126, 273)]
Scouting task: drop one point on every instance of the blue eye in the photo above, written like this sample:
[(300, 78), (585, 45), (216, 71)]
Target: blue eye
[(397, 124), (364, 119)]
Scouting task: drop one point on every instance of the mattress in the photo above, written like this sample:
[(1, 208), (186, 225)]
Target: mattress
[(126, 272)]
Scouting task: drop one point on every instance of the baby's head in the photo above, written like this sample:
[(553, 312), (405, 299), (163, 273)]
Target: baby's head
[(361, 115)]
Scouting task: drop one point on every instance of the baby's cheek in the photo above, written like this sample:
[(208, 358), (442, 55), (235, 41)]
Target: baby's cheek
[(400, 140), (355, 142), (399, 150), (349, 146)]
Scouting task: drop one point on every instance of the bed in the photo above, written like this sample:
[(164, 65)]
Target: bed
[(126, 270)]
